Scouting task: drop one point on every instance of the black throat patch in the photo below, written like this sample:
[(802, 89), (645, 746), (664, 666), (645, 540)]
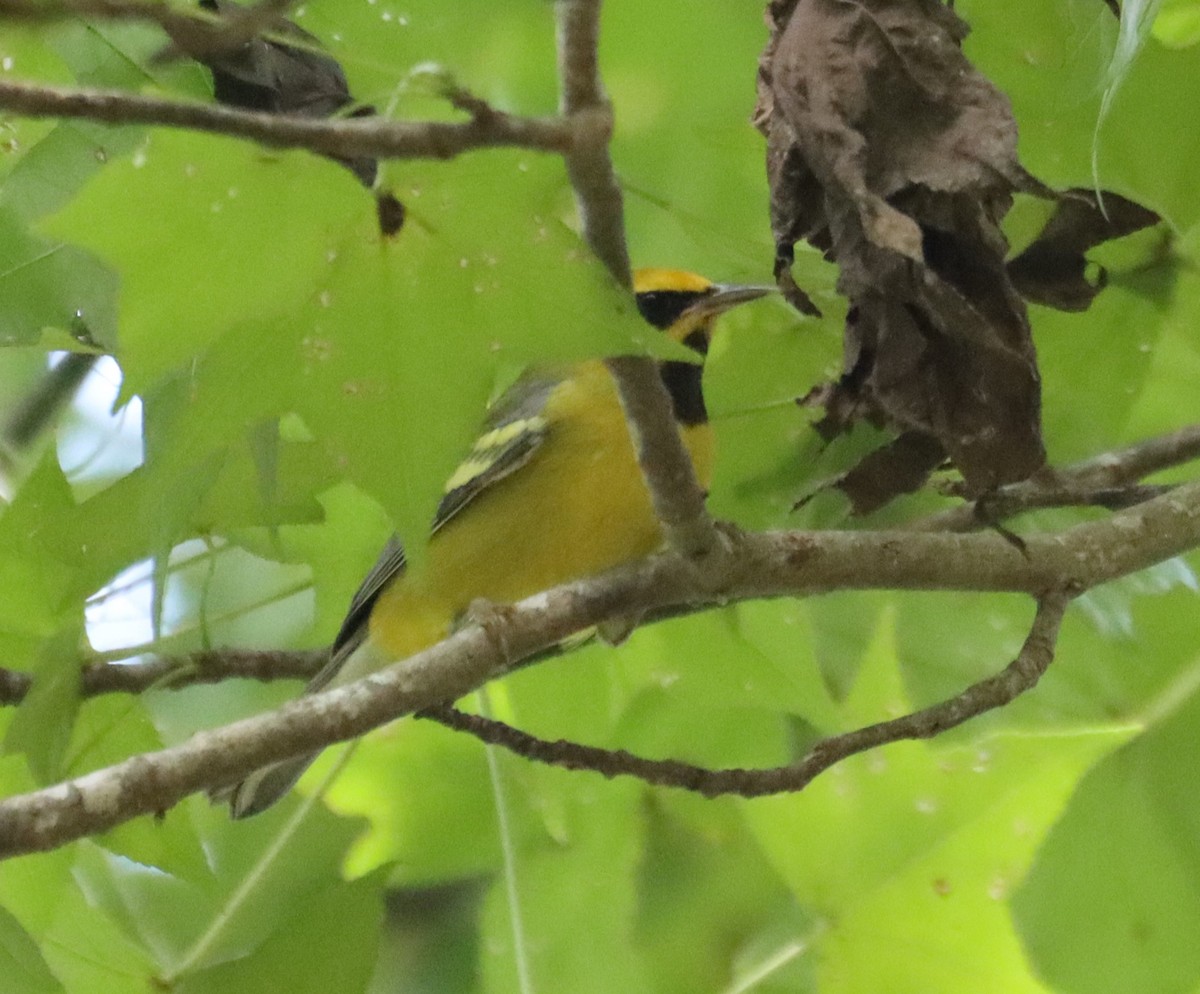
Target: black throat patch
[(662, 308), (684, 382)]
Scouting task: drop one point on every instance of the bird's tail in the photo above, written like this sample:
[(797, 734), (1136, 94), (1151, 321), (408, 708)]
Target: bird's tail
[(266, 786)]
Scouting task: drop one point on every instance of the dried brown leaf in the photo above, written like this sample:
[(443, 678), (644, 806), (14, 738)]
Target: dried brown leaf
[(891, 153), (1053, 269)]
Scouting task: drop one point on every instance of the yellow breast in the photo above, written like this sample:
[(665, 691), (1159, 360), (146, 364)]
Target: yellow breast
[(577, 508)]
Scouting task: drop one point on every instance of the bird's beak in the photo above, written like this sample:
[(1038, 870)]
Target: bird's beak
[(727, 295)]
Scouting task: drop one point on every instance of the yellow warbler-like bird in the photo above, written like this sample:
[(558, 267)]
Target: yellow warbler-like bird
[(550, 492)]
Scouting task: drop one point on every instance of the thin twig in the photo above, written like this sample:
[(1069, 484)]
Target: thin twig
[(986, 695), (677, 498), (177, 672), (207, 666), (1106, 480), (195, 32), (582, 100), (148, 11), (1139, 460), (341, 138)]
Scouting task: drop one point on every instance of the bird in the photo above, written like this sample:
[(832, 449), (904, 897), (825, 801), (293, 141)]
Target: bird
[(550, 492)]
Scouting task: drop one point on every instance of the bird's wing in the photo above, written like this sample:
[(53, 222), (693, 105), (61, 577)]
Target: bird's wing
[(514, 431)]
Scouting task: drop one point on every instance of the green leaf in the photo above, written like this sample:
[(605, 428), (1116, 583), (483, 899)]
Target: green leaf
[(909, 852), (424, 792), (309, 863), (258, 230), (1110, 902), (91, 955), (84, 948), (157, 911), (580, 881), (252, 887), (1178, 23), (1051, 58), (42, 614), (327, 942), (340, 551), (46, 285), (22, 968), (711, 906), (41, 728)]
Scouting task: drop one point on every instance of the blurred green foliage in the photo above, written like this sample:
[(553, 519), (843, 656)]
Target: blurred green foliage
[(304, 388)]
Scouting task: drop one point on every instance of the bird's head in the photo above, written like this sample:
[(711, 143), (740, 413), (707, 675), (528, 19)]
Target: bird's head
[(685, 305)]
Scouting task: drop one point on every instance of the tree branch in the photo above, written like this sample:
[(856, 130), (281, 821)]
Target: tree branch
[(340, 138), (996, 691), (676, 496), (207, 666), (176, 672), (149, 11), (589, 166), (1106, 480), (770, 564), (1110, 473), (1136, 461), (194, 30)]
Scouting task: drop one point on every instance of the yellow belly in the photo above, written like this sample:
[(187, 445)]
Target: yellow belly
[(577, 508)]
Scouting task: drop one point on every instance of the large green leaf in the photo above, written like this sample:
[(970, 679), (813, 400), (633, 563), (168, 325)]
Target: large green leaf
[(22, 969), (42, 615), (908, 854), (327, 941), (424, 792), (247, 236), (577, 880), (1051, 58), (1112, 900)]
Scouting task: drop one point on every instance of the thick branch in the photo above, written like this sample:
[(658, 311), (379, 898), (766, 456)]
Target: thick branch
[(339, 138), (996, 691), (759, 565)]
